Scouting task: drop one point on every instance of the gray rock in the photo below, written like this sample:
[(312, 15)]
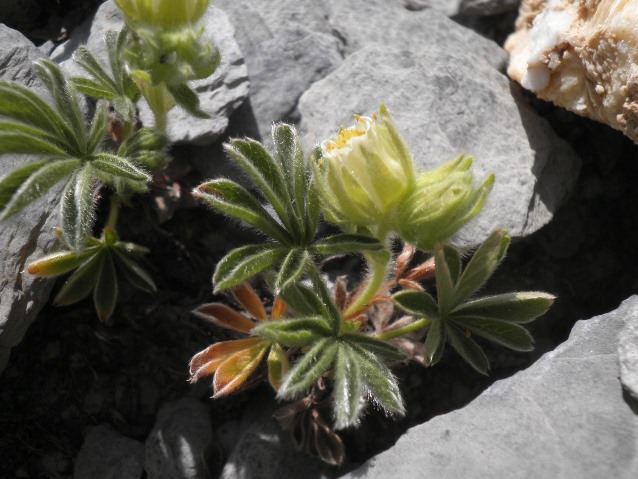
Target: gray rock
[(487, 7), (287, 45), (628, 357), (106, 454), (264, 450), (177, 446), (564, 417), (219, 95), (447, 7), (446, 102), (28, 235), (363, 22)]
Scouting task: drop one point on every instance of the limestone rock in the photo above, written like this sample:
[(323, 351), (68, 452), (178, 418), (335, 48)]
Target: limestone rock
[(106, 454), (628, 357), (178, 444), (264, 450), (364, 22), (219, 95), (446, 102), (581, 56), (487, 7), (287, 46), (563, 417), (447, 7), (28, 235)]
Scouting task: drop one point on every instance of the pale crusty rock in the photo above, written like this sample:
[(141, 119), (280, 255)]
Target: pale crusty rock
[(27, 235), (487, 7), (581, 55), (564, 417), (628, 357), (448, 102), (219, 94)]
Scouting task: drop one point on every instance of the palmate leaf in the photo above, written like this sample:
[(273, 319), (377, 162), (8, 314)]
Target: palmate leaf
[(106, 289), (348, 401), (187, 99), (27, 184), (345, 243), (78, 208), (244, 263), (293, 332), (518, 308), (292, 269), (467, 348), (309, 368), (235, 370), (506, 334)]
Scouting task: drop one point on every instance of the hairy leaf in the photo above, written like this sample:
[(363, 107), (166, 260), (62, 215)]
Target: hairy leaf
[(434, 343), (98, 126), (106, 289), (25, 139), (416, 303), (113, 165), (224, 317), (482, 265), (78, 209), (447, 267), (207, 361), (59, 263), (293, 332), (509, 335), (187, 99), (309, 368), (292, 269), (234, 371), (345, 243), (244, 263), (468, 349), (348, 388), (81, 282), (133, 272), (512, 307), (304, 300), (375, 346)]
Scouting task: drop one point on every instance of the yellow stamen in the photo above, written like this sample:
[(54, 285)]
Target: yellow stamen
[(344, 136)]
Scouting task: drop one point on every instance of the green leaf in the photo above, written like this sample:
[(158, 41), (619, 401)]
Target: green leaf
[(244, 263), (332, 313), (289, 155), (313, 209), (292, 269), (78, 208), (12, 182), (98, 127), (482, 265), (41, 180), (65, 101), (113, 165), (92, 89), (434, 342), (133, 272), (468, 349), (81, 282), (303, 300), (23, 139), (380, 383), (345, 243), (453, 260), (235, 201), (265, 172), (93, 67), (445, 285), (293, 332), (374, 346), (106, 289), (348, 388), (509, 335), (22, 105), (416, 303), (309, 369), (59, 263), (512, 307), (187, 99)]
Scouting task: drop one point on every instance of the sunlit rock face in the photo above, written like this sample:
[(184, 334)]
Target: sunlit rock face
[(581, 55)]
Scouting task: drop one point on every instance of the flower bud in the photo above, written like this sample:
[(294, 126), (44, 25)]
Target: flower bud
[(444, 200), (365, 172), (163, 13)]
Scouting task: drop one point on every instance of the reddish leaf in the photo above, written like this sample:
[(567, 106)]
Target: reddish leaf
[(278, 308), (206, 362), (249, 300), (226, 317), (341, 292), (425, 270), (234, 371), (403, 260), (409, 284)]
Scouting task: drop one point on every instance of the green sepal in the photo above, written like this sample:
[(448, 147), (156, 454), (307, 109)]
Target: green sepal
[(244, 263), (292, 332)]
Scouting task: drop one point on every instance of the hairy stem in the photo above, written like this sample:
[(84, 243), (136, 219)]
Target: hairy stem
[(410, 328), (115, 204), (378, 263)]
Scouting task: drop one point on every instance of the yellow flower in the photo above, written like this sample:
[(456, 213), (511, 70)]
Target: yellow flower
[(365, 172), (444, 200), (163, 13)]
